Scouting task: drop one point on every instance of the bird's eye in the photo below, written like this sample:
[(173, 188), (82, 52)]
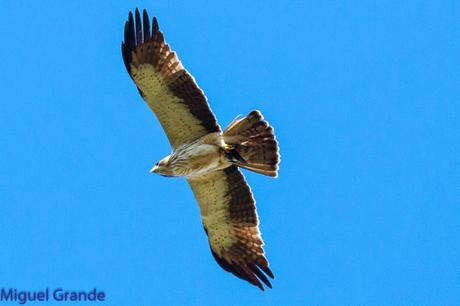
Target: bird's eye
[(157, 163)]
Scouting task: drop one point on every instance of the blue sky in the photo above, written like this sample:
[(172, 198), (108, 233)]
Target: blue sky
[(364, 97)]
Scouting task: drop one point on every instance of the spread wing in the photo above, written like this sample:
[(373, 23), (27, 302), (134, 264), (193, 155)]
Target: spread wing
[(169, 90), (230, 221)]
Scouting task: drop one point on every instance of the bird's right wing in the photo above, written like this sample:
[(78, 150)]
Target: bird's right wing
[(169, 90), (231, 223)]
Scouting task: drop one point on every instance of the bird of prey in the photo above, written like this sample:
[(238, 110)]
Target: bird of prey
[(206, 156)]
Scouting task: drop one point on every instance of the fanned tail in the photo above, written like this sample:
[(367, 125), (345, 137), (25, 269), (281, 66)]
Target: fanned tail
[(252, 144)]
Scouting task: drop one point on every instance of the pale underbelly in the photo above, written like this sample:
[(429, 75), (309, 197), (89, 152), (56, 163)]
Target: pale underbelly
[(199, 159)]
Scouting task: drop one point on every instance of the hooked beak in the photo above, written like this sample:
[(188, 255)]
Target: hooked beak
[(154, 169)]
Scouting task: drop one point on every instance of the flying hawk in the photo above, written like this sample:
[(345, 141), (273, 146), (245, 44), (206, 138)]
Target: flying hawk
[(206, 156)]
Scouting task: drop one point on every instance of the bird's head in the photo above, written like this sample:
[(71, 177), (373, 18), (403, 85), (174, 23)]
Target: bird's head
[(163, 167)]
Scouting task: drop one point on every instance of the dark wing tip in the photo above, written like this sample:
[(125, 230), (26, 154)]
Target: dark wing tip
[(155, 26), (131, 30), (261, 276), (138, 28), (126, 57), (249, 273), (145, 19), (128, 45), (262, 263), (130, 16), (136, 32)]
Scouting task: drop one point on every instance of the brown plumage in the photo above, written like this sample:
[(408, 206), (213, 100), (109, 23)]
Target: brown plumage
[(169, 90), (254, 141), (207, 157)]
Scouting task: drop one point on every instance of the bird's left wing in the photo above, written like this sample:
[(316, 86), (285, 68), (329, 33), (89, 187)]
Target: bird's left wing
[(169, 90), (231, 223)]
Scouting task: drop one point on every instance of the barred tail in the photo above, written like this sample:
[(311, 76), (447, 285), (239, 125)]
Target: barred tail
[(252, 144)]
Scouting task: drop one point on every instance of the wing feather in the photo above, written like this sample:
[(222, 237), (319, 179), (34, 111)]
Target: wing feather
[(231, 223), (169, 90)]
